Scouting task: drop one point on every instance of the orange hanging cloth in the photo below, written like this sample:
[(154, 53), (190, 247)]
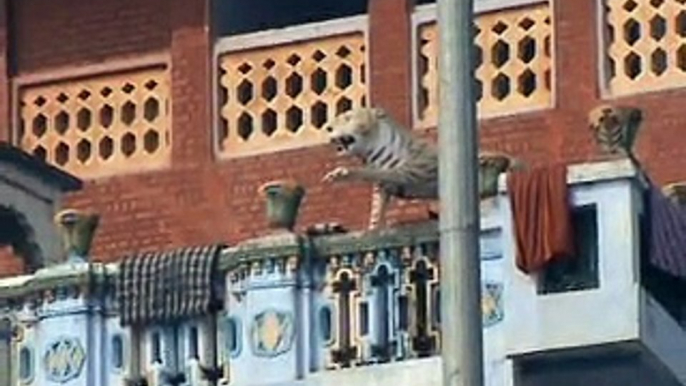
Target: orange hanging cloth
[(542, 217)]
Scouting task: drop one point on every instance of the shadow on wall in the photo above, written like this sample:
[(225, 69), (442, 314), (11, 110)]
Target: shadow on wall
[(232, 17), (16, 233)]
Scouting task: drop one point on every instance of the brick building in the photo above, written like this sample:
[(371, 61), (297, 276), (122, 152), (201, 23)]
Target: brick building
[(174, 112)]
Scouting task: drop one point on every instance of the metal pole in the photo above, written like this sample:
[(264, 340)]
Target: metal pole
[(461, 342)]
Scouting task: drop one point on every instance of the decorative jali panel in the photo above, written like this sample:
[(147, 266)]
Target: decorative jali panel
[(645, 45), (513, 59), (97, 126), (282, 96)]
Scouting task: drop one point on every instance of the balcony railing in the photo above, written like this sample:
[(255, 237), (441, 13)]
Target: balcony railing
[(98, 124), (645, 45), (278, 89), (513, 60)]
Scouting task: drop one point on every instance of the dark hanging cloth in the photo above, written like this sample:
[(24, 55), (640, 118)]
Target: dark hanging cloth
[(167, 286), (542, 216), (666, 232)]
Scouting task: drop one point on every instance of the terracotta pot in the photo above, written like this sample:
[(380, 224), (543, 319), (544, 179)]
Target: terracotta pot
[(77, 230), (490, 168), (283, 202)]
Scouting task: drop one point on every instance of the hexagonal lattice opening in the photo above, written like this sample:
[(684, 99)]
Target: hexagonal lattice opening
[(681, 57), (128, 113), (526, 49), (39, 125), (244, 92), (632, 31), (128, 144), (658, 27), (318, 81), (106, 116), (223, 129), (61, 122), (318, 114), (344, 76), (318, 56), (269, 122), (294, 85), (475, 31), (657, 3), (478, 56), (106, 92), (526, 83), (151, 109), (84, 119), (500, 53), (106, 148), (681, 24), (62, 98), (40, 101), (40, 153), (478, 89), (269, 88), (128, 88), (342, 105), (244, 68), (294, 118), (83, 151), (269, 64), (343, 52), (151, 84), (629, 5), (500, 87), (423, 64), (632, 65), (62, 154), (293, 59), (245, 126), (151, 141), (499, 27), (84, 95), (546, 46), (658, 61), (526, 24)]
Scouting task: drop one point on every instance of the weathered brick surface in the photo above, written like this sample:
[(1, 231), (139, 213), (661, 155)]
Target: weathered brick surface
[(10, 264), (59, 33), (202, 199), (390, 56)]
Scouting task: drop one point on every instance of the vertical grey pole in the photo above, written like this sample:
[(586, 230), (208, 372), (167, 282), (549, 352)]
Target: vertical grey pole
[(459, 215)]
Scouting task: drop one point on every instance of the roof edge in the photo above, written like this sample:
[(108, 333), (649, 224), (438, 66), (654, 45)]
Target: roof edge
[(64, 181)]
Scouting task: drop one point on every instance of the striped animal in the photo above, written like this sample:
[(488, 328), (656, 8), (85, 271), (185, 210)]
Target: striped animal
[(615, 128), (397, 163)]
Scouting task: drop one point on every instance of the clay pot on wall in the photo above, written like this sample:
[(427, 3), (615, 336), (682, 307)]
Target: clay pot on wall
[(490, 168), (283, 202), (77, 230)]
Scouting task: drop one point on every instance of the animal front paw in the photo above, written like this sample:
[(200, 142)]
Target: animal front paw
[(337, 174)]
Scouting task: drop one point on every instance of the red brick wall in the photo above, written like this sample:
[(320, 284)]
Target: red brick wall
[(10, 264), (201, 199), (66, 32)]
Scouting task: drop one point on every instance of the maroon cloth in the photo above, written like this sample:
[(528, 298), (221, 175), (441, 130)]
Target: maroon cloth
[(542, 217)]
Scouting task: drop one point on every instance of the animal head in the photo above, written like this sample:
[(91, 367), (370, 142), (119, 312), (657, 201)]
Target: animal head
[(615, 127), (603, 116), (354, 130)]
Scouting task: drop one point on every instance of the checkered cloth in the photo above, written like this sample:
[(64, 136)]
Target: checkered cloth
[(167, 286)]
